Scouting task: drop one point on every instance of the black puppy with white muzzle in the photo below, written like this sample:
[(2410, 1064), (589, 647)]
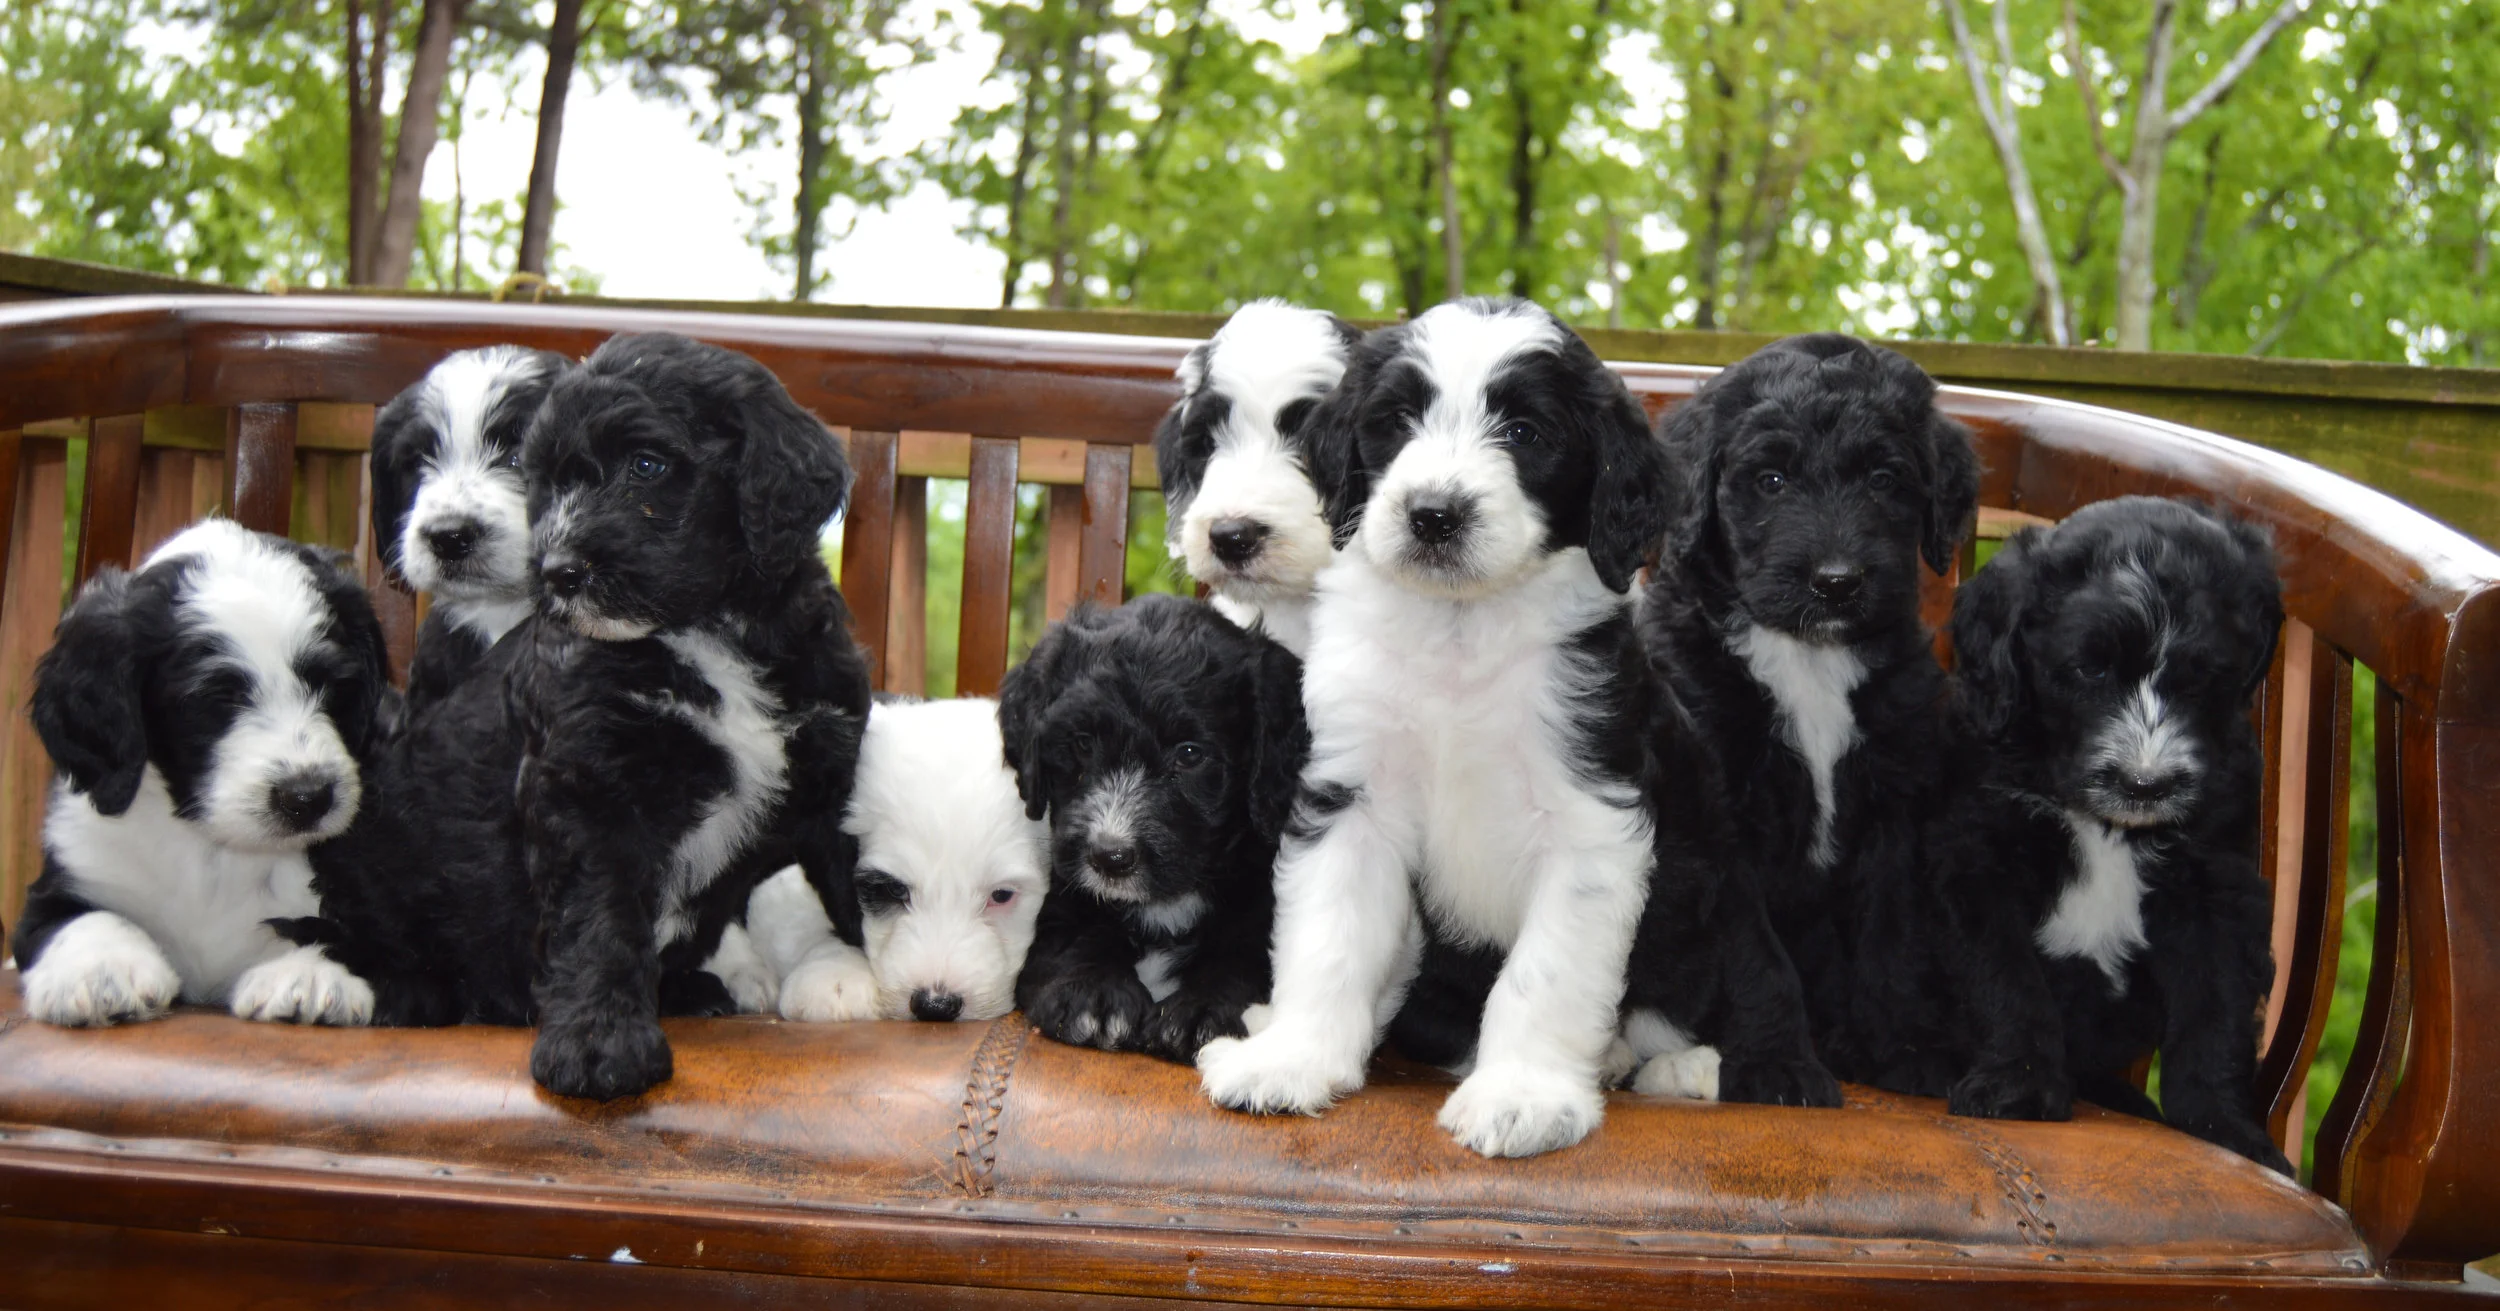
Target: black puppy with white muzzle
[(1163, 744), (1785, 614), (450, 511), (2104, 875)]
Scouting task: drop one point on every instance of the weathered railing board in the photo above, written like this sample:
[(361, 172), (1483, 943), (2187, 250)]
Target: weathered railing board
[(2312, 842), (989, 566), (260, 464), (1102, 550), (907, 614), (112, 492), (28, 611), (2386, 1014), (177, 486), (868, 544), (1066, 525)]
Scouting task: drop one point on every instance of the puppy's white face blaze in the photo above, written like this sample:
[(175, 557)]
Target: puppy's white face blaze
[(2146, 741), (468, 489), (1108, 816), (265, 613), (1454, 464), (581, 612), (936, 811)]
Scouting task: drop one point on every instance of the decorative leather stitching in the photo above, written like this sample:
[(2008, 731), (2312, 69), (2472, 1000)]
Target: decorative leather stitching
[(2018, 1183), (985, 1099)]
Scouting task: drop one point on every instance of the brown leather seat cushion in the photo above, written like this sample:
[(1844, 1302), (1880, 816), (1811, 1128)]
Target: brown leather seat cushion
[(991, 1121)]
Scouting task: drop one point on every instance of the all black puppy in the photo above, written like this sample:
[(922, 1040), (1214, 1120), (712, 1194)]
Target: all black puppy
[(1785, 616), (1163, 744), (450, 512), (2105, 873), (680, 718)]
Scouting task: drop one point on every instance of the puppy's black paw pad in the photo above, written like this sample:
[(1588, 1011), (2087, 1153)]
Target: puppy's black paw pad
[(1778, 1083), (1111, 1013), (2020, 1091), (601, 1059), (695, 992), (1182, 1025)]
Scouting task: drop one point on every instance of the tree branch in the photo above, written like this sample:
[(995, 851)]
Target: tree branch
[(2082, 60), (1978, 77), (2230, 71), (2291, 312)]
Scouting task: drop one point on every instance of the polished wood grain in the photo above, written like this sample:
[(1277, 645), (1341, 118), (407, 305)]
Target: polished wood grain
[(1064, 550), (2310, 948), (868, 544), (260, 465), (1102, 549), (107, 511), (907, 590), (29, 608), (989, 566)]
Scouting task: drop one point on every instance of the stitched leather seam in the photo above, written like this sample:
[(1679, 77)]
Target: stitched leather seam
[(985, 1099), (2018, 1183)]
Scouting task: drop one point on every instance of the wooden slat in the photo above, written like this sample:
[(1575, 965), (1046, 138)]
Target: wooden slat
[(32, 607), (868, 544), (1050, 461), (1102, 552), (1935, 597), (111, 500), (10, 444), (329, 495), (989, 567), (2378, 1049), (2315, 938), (1067, 525), (260, 464), (394, 606), (907, 617)]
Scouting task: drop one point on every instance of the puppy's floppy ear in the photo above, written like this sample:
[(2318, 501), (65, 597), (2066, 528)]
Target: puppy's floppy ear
[(1987, 619), (357, 631), (792, 476), (1635, 497), (1024, 698), (1691, 441), (1281, 739), (1952, 492), (395, 431), (1332, 436), (2261, 597), (1178, 476), (86, 702)]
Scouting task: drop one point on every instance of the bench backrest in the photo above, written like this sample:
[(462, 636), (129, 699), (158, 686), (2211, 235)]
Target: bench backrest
[(261, 408)]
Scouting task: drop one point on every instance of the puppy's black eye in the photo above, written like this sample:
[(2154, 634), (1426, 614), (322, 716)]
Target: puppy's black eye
[(2092, 673), (1770, 482), (511, 458), (880, 892), (1516, 433), (647, 466), (1882, 481), (1081, 745), (1188, 755), (1002, 896)]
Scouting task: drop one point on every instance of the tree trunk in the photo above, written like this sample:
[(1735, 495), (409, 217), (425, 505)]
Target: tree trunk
[(1522, 190), (367, 60), (1713, 235), (2139, 209), (1453, 240), (1614, 269), (419, 125), (538, 213), (1017, 184), (1063, 166), (810, 205), (2030, 230)]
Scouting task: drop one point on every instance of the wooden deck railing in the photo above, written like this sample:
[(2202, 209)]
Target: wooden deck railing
[(261, 407)]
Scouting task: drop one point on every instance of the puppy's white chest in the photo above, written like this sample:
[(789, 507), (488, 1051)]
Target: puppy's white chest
[(745, 724), (1811, 685), (2100, 916), (203, 903)]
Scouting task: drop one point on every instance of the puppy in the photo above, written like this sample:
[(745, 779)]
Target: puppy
[(209, 716), (1483, 771), (1785, 616), (2104, 873), (1241, 512), (1162, 743), (679, 718), (950, 876), (450, 512)]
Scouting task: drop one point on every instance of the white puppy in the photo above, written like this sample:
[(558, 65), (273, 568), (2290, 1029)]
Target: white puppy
[(950, 877)]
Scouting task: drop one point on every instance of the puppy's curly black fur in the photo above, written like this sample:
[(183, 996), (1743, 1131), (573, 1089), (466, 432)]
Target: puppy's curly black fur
[(1785, 615), (1163, 744), (2104, 873)]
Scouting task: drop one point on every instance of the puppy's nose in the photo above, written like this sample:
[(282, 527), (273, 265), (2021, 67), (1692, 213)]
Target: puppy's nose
[(932, 1004), (452, 541), (2147, 789), (566, 577), (1236, 541), (1835, 583), (1113, 862), (1434, 520), (301, 801)]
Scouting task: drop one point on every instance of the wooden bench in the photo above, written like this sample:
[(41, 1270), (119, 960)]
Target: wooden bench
[(246, 1164)]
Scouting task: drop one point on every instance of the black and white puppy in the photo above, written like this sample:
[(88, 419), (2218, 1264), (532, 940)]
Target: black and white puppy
[(450, 512), (1482, 768), (679, 718), (950, 878), (2105, 872), (1162, 742), (1243, 516), (1785, 615), (209, 716)]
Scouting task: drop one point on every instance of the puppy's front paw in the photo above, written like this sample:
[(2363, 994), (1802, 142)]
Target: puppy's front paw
[(695, 992), (1185, 1022), (1797, 1082), (2246, 1137), (1692, 1072), (826, 989), (753, 986), (601, 1057), (1107, 1010), (303, 986), (1521, 1110), (1271, 1074), (2012, 1090), (100, 969), (1620, 1063)]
